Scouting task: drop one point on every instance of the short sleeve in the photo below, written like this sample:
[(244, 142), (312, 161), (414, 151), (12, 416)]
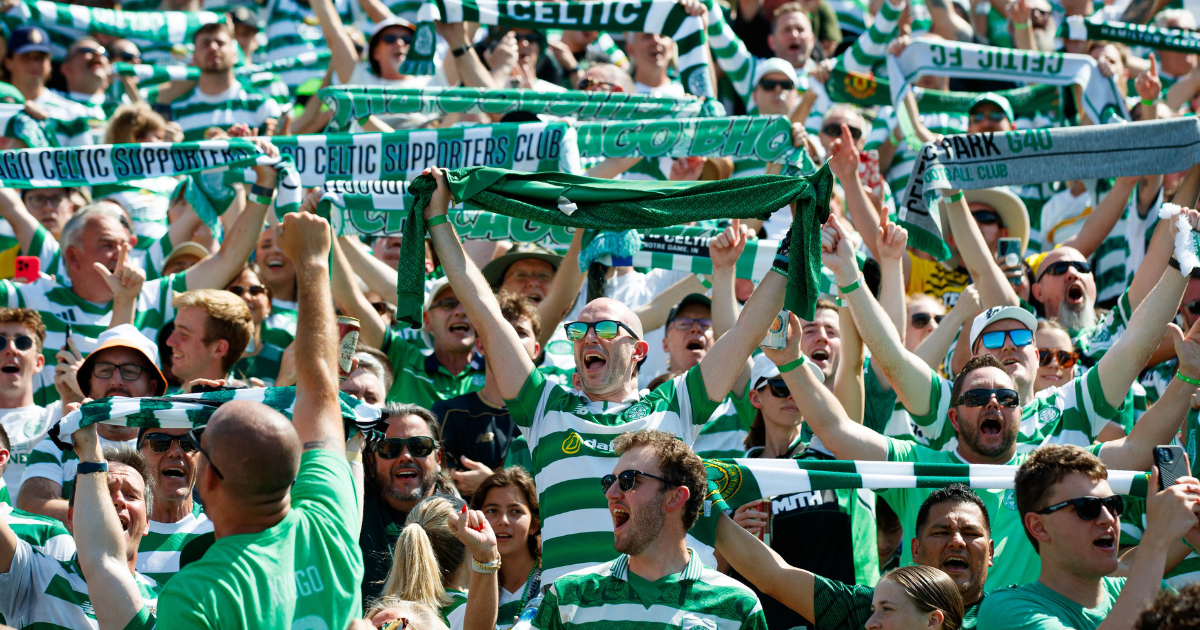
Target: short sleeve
[(840, 607), (935, 421), (702, 406), (25, 581), (525, 406), (1012, 609), (44, 461), (326, 485)]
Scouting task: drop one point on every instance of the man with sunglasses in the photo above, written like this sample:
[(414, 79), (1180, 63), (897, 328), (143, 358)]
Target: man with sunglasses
[(1073, 520), (21, 336), (88, 72), (176, 518), (570, 430)]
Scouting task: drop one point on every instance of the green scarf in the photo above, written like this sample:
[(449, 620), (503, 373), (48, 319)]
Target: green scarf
[(664, 17), (147, 29), (866, 91), (1170, 39), (584, 202), (355, 103), (148, 75)]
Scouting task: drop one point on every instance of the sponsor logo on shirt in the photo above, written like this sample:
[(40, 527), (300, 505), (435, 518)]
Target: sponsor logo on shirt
[(571, 445)]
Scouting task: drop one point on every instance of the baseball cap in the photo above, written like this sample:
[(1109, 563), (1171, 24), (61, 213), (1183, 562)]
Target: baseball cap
[(691, 298), (125, 336), (774, 64), (27, 39), (243, 16), (186, 248), (997, 100), (435, 287), (997, 313), (394, 20), (494, 271), (763, 369)]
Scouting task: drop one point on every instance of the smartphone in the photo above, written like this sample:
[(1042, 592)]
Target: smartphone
[(1172, 464), (27, 268), (1008, 245)]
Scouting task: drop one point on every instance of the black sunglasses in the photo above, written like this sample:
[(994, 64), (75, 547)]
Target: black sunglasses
[(1088, 508), (254, 290), (987, 217), (381, 307), (123, 55), (161, 442), (528, 38), (921, 320), (627, 479), (605, 329), (418, 446), (834, 131), (1061, 267), (992, 116), (981, 397), (86, 50), (1066, 360), (588, 83), (195, 435), (778, 387), (20, 342), (392, 38), (771, 85)]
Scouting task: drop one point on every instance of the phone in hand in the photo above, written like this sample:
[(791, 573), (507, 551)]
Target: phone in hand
[(868, 169), (1172, 464), (27, 268)]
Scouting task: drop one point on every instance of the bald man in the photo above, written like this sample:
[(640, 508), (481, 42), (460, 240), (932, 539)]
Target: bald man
[(570, 431), (285, 552)]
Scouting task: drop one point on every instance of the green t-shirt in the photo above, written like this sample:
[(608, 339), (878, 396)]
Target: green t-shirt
[(303, 572), (423, 380), (848, 606), (1035, 607)]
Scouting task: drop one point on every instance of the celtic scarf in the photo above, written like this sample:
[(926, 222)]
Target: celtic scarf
[(187, 411), (149, 75), (1170, 39), (664, 17), (866, 91), (147, 29), (602, 204), (1033, 156), (1101, 100), (302, 60), (354, 103)]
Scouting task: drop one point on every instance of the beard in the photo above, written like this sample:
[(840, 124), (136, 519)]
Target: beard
[(428, 479), (615, 375), (1085, 317), (969, 434), (645, 526)]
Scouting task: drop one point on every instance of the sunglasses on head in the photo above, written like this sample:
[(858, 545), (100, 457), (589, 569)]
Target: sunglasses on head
[(254, 290), (778, 387), (771, 85), (605, 329), (418, 446), (628, 479), (1061, 267), (835, 130), (992, 116), (994, 340), (986, 217), (20, 342), (981, 397), (921, 320), (1066, 360), (392, 38), (161, 442), (589, 83), (1088, 508)]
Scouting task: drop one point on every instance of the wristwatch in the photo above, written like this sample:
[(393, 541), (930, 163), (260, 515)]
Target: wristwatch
[(460, 51), (87, 468)]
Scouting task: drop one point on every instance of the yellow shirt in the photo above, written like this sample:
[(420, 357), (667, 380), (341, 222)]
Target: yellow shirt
[(934, 278)]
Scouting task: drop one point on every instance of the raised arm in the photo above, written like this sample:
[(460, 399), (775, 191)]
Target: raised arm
[(342, 55), (766, 569), (725, 249), (350, 299), (723, 363), (511, 363), (378, 277), (933, 350), (843, 161), (1098, 225), (994, 288), (13, 210), (470, 67), (304, 237), (564, 291), (126, 284), (472, 528), (849, 386)]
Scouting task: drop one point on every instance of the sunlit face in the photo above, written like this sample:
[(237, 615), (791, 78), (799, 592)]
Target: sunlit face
[(174, 470), (1087, 549), (1109, 53), (259, 305), (639, 514), (365, 386), (191, 356), (529, 45), (1052, 374), (30, 67), (774, 98), (891, 609), (606, 365), (792, 38), (116, 385), (1071, 296), (127, 490), (406, 479), (17, 367), (391, 47), (650, 49), (955, 539), (52, 207), (989, 223), (686, 346), (276, 268), (993, 119), (100, 242), (215, 51), (511, 518), (597, 79), (529, 277), (86, 67), (446, 321), (989, 431), (924, 310), (822, 342), (838, 117), (387, 249), (780, 411), (1020, 362)]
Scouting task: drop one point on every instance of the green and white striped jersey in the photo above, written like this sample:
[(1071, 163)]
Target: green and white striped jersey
[(1074, 413), (41, 592), (570, 438), (292, 28), (852, 16), (279, 329), (158, 553), (455, 613), (1097, 340), (97, 113), (263, 366), (724, 435), (147, 202), (196, 111), (510, 607), (72, 122), (47, 461), (611, 595), (902, 163), (59, 306), (45, 534)]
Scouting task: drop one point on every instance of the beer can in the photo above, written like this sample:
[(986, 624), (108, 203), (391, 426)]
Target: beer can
[(777, 334), (347, 344)]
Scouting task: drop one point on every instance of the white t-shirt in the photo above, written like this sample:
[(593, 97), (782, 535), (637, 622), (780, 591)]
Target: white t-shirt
[(673, 89), (25, 426)]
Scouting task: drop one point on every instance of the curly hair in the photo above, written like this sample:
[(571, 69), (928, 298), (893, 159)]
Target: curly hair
[(1172, 610), (679, 465)]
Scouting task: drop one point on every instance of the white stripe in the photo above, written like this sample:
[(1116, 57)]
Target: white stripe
[(489, 12), (578, 522), (656, 17), (666, 615)]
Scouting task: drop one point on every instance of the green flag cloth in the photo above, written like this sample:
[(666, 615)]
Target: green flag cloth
[(147, 29), (663, 17), (1171, 39), (354, 103), (187, 411), (866, 91), (603, 204)]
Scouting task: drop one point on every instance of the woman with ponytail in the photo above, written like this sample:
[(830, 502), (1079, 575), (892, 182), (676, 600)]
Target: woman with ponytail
[(508, 499), (444, 552)]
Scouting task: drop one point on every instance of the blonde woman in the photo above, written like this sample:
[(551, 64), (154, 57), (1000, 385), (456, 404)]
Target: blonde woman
[(444, 550)]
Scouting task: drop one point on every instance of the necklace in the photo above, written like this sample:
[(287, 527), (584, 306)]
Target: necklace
[(531, 585)]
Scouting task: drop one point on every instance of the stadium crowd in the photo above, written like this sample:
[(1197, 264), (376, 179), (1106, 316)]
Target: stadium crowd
[(757, 346)]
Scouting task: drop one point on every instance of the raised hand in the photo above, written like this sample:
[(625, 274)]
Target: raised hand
[(686, 169), (66, 373), (439, 203), (891, 240), (791, 352), (1171, 512), (1148, 84), (474, 531), (267, 175), (126, 280), (844, 158), (837, 251), (470, 475), (1019, 12), (1187, 349), (726, 247), (693, 7), (751, 518), (303, 237)]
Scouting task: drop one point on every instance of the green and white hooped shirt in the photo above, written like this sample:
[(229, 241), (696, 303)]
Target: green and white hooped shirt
[(161, 547)]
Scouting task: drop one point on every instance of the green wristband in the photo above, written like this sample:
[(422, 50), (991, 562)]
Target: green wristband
[(850, 287), (955, 197), (1147, 102), (788, 367), (1188, 380), (438, 220), (1020, 26), (266, 201)]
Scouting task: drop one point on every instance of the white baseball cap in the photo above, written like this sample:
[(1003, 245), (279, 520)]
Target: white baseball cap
[(764, 369), (774, 64), (997, 313)]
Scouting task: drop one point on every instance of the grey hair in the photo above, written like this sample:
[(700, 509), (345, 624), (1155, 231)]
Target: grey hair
[(73, 231), (126, 455)]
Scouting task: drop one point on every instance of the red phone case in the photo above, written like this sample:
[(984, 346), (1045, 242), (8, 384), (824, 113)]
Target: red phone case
[(27, 268)]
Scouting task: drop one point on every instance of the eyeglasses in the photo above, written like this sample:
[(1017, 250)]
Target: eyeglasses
[(20, 342), (418, 446), (41, 200), (987, 217), (589, 83), (1061, 267), (835, 130), (921, 320), (392, 38), (161, 442), (195, 435), (447, 303), (992, 116), (605, 329), (981, 397), (995, 340), (254, 290), (771, 85), (1066, 360), (682, 323), (129, 371), (381, 307), (1088, 508), (627, 479), (778, 387)]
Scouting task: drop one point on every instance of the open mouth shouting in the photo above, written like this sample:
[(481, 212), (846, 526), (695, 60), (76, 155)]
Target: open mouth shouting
[(594, 361), (11, 367), (956, 565), (620, 517), (1106, 542), (990, 423), (174, 472), (407, 474), (1076, 294), (460, 328), (820, 356)]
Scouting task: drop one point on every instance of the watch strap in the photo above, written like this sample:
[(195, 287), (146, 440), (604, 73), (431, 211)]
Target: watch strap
[(87, 468)]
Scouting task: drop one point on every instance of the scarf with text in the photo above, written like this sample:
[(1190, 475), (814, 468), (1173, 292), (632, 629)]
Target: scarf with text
[(662, 17), (866, 91), (355, 103), (1170, 39), (1101, 99), (1033, 156)]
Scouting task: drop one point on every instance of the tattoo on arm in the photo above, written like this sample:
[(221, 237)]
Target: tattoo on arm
[(322, 443)]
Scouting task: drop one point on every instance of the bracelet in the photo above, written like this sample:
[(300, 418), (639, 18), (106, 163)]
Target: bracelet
[(259, 199), (1187, 379), (788, 367), (438, 220), (354, 457), (1147, 102), (490, 567), (87, 468), (850, 287), (1174, 263), (460, 51), (255, 189), (1020, 26), (955, 197), (704, 281)]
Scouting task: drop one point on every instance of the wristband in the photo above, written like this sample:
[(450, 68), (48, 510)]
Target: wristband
[(266, 201), (788, 367), (1187, 379), (1147, 102), (438, 220), (955, 197), (354, 457), (1174, 263), (1020, 26), (704, 281), (490, 567), (460, 51), (263, 191), (850, 287), (87, 468)]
